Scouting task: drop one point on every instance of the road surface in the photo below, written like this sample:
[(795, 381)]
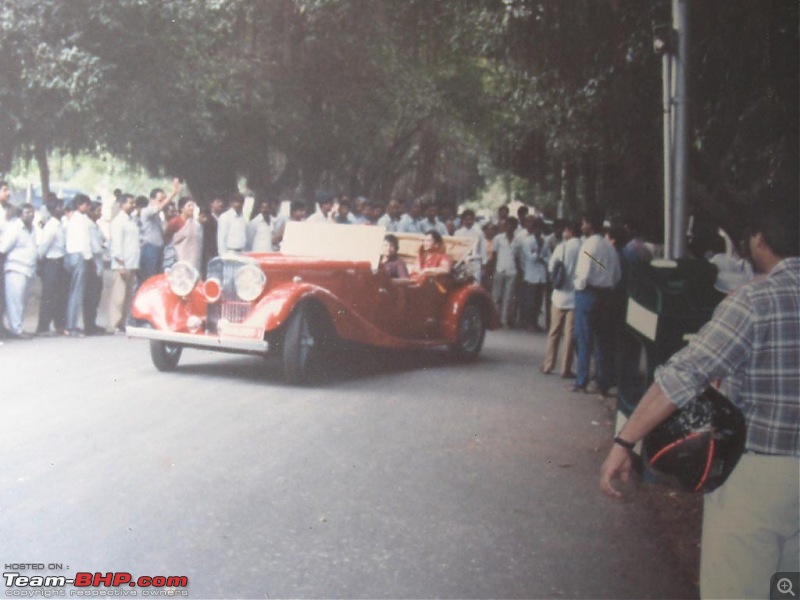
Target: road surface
[(402, 476)]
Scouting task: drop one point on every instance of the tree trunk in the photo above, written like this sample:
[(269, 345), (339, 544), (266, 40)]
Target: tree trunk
[(568, 188), (40, 153), (210, 180)]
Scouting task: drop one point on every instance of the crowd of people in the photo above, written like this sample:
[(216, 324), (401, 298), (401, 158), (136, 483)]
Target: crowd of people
[(514, 258)]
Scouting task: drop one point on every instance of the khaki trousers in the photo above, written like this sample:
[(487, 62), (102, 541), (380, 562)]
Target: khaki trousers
[(750, 528), (120, 299), (562, 325)]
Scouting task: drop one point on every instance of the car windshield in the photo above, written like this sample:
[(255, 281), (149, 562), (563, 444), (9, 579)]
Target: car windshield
[(334, 242)]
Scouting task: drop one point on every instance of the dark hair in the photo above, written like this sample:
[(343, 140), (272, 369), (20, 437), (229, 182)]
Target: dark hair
[(155, 192), (468, 213), (324, 198), (235, 197), (392, 240), (53, 204), (123, 198), (296, 205), (4, 183), (80, 200), (183, 200), (437, 237), (26, 205), (95, 205), (595, 219), (142, 201), (775, 217), (617, 234)]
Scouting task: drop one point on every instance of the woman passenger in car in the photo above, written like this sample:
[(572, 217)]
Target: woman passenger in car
[(390, 260), (433, 257)]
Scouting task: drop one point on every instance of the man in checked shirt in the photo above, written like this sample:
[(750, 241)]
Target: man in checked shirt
[(750, 523)]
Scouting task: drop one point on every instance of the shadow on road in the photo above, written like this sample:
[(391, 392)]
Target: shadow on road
[(346, 362)]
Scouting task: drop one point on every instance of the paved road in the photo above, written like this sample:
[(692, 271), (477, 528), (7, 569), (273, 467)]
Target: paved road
[(405, 476)]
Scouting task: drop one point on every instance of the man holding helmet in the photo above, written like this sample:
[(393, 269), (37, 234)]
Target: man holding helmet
[(750, 524)]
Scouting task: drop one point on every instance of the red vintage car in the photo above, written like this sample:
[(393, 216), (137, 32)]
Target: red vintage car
[(325, 286)]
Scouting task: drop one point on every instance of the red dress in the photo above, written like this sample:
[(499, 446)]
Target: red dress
[(435, 258)]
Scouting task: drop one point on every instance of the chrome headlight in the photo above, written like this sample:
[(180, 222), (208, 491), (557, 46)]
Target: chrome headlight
[(249, 281), (182, 278)]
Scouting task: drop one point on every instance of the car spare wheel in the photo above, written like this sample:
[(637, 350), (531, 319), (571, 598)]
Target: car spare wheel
[(308, 333), (165, 356), (471, 332)]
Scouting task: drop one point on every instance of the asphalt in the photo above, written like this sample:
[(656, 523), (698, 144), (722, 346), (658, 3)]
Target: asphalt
[(465, 481)]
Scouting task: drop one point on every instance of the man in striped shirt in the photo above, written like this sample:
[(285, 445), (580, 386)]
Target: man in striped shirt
[(750, 524)]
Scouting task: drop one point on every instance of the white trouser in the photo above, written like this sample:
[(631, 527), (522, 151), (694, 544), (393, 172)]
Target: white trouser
[(750, 528), (16, 298)]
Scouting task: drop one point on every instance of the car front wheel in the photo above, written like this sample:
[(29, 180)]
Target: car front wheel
[(471, 332), (165, 356), (304, 344)]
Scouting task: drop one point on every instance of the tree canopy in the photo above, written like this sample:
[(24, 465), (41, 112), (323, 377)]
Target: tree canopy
[(391, 98)]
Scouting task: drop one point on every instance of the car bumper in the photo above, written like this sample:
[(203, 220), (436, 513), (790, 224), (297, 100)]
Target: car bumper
[(200, 340)]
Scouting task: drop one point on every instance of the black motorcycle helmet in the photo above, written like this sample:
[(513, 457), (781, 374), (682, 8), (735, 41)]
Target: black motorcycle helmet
[(698, 446)]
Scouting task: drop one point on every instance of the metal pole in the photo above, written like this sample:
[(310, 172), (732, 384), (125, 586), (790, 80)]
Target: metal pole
[(680, 15), (666, 62)]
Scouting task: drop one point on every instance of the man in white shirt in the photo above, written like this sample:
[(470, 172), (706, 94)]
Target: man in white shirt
[(260, 229), (125, 256), (479, 258), (55, 279), (324, 203), (78, 254), (5, 196), (597, 272), (431, 221), (506, 250), (535, 255), (391, 219), (412, 222), (562, 318), (94, 273), (18, 246), (232, 228)]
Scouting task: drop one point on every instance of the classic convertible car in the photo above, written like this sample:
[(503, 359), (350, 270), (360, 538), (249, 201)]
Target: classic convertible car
[(325, 286)]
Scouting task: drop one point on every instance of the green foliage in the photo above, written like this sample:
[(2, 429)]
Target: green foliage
[(402, 98)]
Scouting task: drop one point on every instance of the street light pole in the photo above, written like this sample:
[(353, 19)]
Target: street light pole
[(672, 43), (666, 66), (680, 10)]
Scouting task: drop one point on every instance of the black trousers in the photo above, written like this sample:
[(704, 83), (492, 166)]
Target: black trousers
[(55, 291)]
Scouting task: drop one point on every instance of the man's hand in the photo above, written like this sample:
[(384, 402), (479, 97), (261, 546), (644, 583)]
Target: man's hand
[(618, 462), (176, 187)]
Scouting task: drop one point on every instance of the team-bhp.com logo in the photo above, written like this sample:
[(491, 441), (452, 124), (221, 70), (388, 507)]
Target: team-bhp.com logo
[(158, 585)]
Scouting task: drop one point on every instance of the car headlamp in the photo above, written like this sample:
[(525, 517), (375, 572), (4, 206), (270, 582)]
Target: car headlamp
[(182, 278), (249, 281)]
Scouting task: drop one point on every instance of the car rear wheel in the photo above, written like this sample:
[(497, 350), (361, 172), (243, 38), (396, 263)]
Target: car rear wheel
[(304, 344), (165, 356), (471, 332)]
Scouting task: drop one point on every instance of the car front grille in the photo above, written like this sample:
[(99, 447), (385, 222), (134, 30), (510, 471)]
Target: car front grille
[(229, 307)]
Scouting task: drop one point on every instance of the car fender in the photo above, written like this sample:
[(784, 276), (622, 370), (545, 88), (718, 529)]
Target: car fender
[(459, 299), (155, 302)]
